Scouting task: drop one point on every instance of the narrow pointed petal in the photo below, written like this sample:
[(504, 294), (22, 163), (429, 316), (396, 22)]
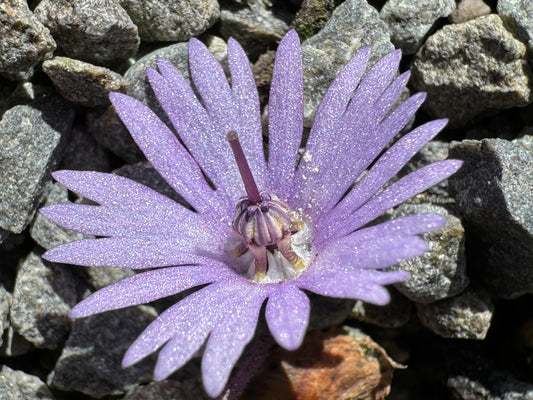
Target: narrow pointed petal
[(227, 341), (225, 115), (357, 284), (131, 252), (398, 192), (193, 317), (146, 287), (285, 114), (385, 168), (165, 153), (287, 315)]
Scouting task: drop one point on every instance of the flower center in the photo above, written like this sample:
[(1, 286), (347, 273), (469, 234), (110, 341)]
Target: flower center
[(265, 227)]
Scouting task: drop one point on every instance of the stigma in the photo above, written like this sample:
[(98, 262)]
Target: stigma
[(264, 226)]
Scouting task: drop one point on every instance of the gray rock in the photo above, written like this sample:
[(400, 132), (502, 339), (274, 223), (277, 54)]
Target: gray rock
[(469, 9), (312, 16), (42, 298), (466, 316), (393, 315), (493, 193), (253, 25), (5, 304), (14, 344), (30, 136), (99, 277), (84, 153), (83, 83), (46, 233), (440, 272), (354, 24), (176, 20), (517, 16), (472, 375), (91, 359), (469, 68), (24, 41), (96, 31), (409, 21), (18, 385), (328, 311)]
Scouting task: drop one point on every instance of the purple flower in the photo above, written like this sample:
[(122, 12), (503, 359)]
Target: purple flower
[(273, 225)]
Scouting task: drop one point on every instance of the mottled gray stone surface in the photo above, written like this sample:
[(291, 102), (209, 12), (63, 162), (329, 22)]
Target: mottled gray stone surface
[(410, 20), (493, 193), (42, 299), (441, 271), (253, 25), (517, 16), (18, 385), (469, 68), (175, 20), (24, 41), (29, 138), (5, 303), (46, 233), (466, 316), (91, 359), (184, 386), (96, 31), (354, 24), (469, 9), (392, 315), (83, 83)]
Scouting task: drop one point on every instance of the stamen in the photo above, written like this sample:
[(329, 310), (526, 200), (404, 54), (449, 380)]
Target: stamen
[(246, 174)]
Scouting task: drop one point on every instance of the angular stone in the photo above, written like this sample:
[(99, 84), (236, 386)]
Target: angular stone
[(354, 24), (174, 21), (46, 233), (83, 83), (91, 359), (253, 25), (469, 9), (410, 20), (96, 31), (440, 272), (42, 298), (24, 41), (5, 304), (312, 16), (466, 316), (29, 140), (492, 191), (469, 68), (18, 385), (517, 16)]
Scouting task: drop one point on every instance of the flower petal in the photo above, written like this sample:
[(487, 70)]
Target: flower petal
[(128, 252), (398, 192), (228, 339), (192, 319), (225, 115), (287, 315), (356, 284), (385, 168), (146, 287), (285, 114), (165, 153)]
